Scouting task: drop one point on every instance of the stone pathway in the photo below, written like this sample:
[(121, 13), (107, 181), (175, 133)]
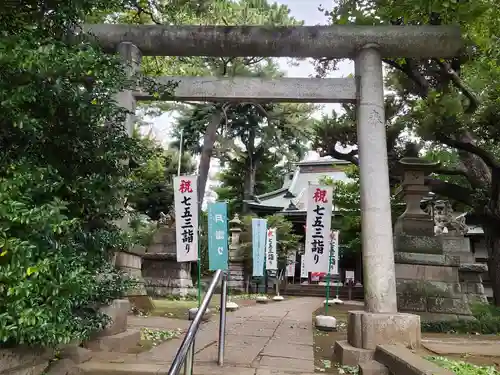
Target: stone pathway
[(260, 340)]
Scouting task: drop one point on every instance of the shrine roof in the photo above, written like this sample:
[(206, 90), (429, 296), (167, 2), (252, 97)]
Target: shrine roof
[(291, 196)]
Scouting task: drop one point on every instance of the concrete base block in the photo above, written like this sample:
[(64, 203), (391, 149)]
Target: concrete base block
[(348, 355), (231, 306), (262, 299), (278, 298), (193, 311), (334, 301), (118, 312), (325, 323), (367, 330), (121, 342), (373, 368)]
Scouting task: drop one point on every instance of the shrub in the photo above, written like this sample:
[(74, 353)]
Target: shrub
[(463, 368), (53, 274), (62, 176), (487, 321)]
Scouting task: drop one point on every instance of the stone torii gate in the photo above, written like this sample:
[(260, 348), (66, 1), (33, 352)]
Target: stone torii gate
[(380, 322)]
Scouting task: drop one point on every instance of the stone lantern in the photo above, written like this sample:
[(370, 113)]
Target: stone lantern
[(427, 280), (236, 256), (414, 221), (235, 228)]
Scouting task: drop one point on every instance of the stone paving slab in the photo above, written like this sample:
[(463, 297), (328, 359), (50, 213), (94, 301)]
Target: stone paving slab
[(276, 348), (275, 338), (251, 331), (286, 364)]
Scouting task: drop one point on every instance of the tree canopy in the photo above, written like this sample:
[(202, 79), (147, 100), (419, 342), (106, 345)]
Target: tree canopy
[(63, 179), (451, 104)]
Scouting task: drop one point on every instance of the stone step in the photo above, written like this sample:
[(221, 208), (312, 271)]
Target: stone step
[(348, 355), (400, 360), (108, 368), (121, 342), (101, 368), (372, 368)]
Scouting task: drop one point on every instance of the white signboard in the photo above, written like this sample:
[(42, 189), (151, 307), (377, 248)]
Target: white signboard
[(303, 270), (319, 218), (334, 252), (271, 254), (259, 234), (186, 218), (290, 264), (349, 276)]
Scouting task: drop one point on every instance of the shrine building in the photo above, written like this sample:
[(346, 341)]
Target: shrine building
[(290, 201)]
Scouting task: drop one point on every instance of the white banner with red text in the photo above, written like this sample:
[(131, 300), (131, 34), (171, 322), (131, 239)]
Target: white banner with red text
[(318, 223), (186, 218)]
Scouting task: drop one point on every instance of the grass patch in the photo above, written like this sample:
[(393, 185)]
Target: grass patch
[(177, 308), (324, 341), (463, 368), (486, 322), (157, 336), (153, 337)]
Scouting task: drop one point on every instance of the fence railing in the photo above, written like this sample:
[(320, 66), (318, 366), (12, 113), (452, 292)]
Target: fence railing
[(186, 352)]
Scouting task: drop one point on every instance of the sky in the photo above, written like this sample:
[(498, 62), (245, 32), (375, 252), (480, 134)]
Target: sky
[(305, 10)]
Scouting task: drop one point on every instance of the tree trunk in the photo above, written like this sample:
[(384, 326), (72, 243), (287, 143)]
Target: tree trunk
[(206, 154), (249, 182), (492, 236), (249, 186)]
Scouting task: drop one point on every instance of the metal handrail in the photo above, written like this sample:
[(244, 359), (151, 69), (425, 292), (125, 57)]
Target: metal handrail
[(185, 353)]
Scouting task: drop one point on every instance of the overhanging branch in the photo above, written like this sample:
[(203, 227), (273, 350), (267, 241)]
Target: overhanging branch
[(350, 156), (459, 84), (488, 159), (449, 190)]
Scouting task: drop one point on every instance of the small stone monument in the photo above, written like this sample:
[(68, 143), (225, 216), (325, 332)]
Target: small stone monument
[(427, 279), (162, 274), (236, 280), (129, 261)]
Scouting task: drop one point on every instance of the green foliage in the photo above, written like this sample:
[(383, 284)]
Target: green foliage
[(157, 336), (347, 201), (152, 182), (463, 368), (287, 241), (268, 177), (53, 272), (249, 133), (451, 103), (487, 321), (63, 181)]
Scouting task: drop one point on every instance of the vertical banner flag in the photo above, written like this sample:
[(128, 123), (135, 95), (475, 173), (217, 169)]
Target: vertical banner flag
[(303, 270), (334, 252), (186, 218), (217, 236), (271, 254), (259, 229), (290, 264), (319, 218)]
